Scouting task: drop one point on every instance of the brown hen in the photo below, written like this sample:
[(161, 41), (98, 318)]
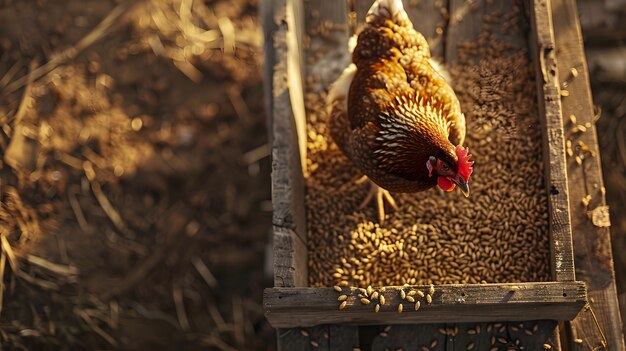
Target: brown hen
[(393, 113)]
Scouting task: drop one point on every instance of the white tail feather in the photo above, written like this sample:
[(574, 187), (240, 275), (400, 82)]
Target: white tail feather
[(441, 69), (389, 9), (340, 88)]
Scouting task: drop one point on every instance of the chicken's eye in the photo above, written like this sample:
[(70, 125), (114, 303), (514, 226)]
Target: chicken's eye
[(445, 167)]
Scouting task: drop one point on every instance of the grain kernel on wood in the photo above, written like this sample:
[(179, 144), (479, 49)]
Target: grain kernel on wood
[(578, 341), (547, 347), (417, 305), (342, 298), (337, 288), (400, 308), (343, 305)]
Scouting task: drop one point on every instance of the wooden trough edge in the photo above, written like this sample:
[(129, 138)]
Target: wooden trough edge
[(305, 307)]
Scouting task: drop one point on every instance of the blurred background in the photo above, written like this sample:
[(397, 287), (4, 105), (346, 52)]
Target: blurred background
[(135, 175)]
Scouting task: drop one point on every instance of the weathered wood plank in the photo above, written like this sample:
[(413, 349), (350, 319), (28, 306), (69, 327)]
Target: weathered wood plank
[(304, 339), (290, 262), (409, 337), (592, 245), (289, 307), (548, 96), (343, 337), (290, 266)]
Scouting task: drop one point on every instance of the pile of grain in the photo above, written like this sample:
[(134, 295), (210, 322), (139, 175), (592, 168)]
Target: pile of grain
[(498, 234)]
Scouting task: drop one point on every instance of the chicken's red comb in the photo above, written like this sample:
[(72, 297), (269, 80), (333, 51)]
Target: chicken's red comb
[(463, 163)]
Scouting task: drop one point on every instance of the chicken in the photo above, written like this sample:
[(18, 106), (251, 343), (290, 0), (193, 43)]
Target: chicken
[(393, 114)]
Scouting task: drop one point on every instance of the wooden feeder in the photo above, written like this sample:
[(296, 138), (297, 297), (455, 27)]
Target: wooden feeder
[(291, 303)]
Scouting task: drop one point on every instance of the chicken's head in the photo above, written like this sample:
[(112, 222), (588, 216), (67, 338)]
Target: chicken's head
[(451, 173)]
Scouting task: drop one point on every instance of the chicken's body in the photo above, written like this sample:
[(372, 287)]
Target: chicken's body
[(391, 111)]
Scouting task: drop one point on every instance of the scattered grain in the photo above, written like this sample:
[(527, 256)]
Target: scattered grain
[(429, 299), (400, 308), (342, 298), (337, 288), (578, 341), (377, 308), (498, 96), (343, 305), (365, 301), (417, 305), (547, 347)]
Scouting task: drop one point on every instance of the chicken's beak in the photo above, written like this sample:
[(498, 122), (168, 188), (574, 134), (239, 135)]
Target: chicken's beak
[(462, 184)]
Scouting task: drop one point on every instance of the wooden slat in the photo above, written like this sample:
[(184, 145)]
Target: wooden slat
[(290, 307), (548, 96), (290, 268), (592, 246), (290, 263), (304, 339), (408, 337), (343, 337)]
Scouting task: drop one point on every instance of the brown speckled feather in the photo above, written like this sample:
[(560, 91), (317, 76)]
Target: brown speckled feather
[(399, 109)]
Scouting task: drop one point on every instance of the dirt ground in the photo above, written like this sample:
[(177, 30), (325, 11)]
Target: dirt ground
[(134, 181)]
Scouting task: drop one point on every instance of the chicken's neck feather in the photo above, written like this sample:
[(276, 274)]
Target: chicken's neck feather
[(411, 130)]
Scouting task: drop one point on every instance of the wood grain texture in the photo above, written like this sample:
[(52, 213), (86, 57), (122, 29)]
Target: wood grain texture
[(322, 337), (592, 246), (290, 307), (549, 103), (290, 262), (408, 337), (290, 265)]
